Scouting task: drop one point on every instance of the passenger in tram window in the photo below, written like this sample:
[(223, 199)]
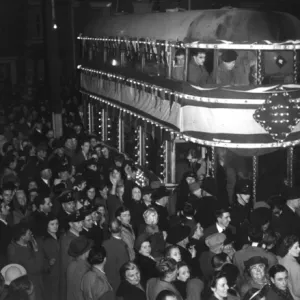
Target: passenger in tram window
[(225, 72), (178, 65), (197, 73)]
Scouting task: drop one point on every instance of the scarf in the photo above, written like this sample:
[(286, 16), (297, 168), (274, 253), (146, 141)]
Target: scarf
[(283, 294)]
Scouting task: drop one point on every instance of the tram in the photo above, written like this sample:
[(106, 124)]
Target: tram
[(133, 100)]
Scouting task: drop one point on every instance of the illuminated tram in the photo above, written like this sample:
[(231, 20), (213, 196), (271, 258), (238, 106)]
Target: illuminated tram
[(133, 100)]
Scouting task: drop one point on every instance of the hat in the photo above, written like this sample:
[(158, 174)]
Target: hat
[(140, 240), (215, 241), (194, 186), (229, 56), (209, 186), (12, 272), (178, 233), (291, 193), (147, 190), (243, 186), (261, 204), (78, 180), (189, 174), (66, 197), (63, 168), (260, 216), (58, 144), (44, 166), (76, 217), (85, 211), (160, 193), (79, 246), (59, 188), (254, 261)]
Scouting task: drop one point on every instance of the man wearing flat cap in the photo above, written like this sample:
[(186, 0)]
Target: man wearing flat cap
[(75, 223), (79, 249), (225, 73), (215, 243), (67, 208)]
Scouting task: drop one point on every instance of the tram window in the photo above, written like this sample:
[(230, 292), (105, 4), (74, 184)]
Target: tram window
[(236, 68), (178, 64), (278, 67), (200, 66)]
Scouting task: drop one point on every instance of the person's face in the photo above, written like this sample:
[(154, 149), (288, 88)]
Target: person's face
[(152, 219), (221, 288), (47, 205), (27, 236), (60, 151), (257, 272), (120, 191), (147, 197), (5, 209), (93, 142), (21, 197), (105, 152), (86, 147), (115, 174), (104, 192), (200, 59), (53, 226), (230, 65), (180, 60), (7, 196), (46, 174), (190, 180), (88, 222), (198, 232), (95, 216), (64, 175), (125, 217), (13, 165), (183, 273), (136, 194), (77, 226), (175, 254), (101, 211), (225, 219), (32, 185), (98, 151), (295, 250), (91, 193), (69, 207), (133, 276), (50, 134), (42, 154), (280, 280), (93, 167), (32, 196), (145, 248)]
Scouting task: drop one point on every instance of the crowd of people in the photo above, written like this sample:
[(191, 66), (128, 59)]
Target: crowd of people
[(75, 225)]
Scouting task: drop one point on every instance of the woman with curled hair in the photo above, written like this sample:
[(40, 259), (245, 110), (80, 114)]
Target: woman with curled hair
[(94, 284), (22, 285), (218, 287), (289, 261), (130, 287), (167, 268)]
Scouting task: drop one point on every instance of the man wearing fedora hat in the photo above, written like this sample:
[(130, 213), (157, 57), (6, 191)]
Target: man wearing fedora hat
[(75, 223), (79, 250), (160, 197)]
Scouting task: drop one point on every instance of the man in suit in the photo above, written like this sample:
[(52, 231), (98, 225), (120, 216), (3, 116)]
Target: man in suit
[(222, 225), (160, 197), (82, 155), (67, 208), (289, 221), (39, 219), (5, 232), (94, 284), (75, 224), (117, 254), (44, 179)]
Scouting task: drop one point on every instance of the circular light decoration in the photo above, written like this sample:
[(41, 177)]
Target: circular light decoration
[(278, 115)]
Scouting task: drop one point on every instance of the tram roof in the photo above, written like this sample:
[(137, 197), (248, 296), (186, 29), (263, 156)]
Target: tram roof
[(235, 25)]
